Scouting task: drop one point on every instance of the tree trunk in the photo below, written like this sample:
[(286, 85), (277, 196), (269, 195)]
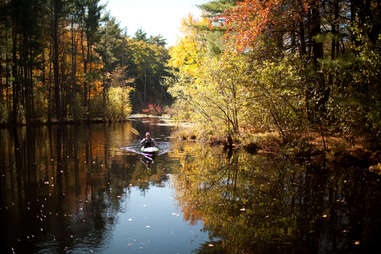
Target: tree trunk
[(15, 84), (84, 71), (317, 47), (57, 95), (335, 30), (73, 62)]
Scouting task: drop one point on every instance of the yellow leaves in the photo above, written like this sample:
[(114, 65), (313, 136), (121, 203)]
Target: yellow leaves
[(186, 56), (188, 23)]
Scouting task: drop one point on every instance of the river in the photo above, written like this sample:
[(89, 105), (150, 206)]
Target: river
[(74, 189)]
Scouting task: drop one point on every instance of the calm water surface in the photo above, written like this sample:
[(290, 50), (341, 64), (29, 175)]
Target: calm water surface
[(72, 189)]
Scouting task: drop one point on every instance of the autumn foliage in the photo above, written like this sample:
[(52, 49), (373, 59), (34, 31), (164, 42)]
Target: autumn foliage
[(293, 66), (251, 19), (70, 61)]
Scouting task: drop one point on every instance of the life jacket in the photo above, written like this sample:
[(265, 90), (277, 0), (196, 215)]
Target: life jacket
[(148, 142)]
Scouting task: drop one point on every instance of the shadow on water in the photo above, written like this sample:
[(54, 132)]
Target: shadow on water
[(73, 190), (257, 204), (61, 187)]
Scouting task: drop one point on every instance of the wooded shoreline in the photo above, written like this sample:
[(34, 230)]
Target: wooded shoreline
[(242, 68)]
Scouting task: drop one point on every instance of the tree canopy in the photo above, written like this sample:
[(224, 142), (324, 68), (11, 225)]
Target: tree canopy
[(60, 59), (284, 65)]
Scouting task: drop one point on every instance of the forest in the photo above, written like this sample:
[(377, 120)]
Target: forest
[(265, 119), (294, 67), (287, 66), (69, 60)]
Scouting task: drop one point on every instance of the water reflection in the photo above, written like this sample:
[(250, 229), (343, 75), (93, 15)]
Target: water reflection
[(259, 204), (72, 189)]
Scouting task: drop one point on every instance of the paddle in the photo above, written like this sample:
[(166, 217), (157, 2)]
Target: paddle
[(135, 131)]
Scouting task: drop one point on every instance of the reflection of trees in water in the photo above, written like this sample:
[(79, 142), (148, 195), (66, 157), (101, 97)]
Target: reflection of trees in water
[(62, 186), (256, 204)]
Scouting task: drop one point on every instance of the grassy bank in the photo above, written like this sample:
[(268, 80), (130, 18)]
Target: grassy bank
[(309, 146)]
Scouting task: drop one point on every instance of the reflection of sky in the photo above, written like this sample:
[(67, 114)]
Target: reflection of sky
[(152, 223), (81, 199)]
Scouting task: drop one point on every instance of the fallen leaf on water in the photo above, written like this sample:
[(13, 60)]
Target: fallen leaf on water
[(210, 245), (242, 209), (129, 219), (148, 226), (357, 242), (324, 216)]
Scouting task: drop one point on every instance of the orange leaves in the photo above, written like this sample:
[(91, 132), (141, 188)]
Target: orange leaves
[(250, 19)]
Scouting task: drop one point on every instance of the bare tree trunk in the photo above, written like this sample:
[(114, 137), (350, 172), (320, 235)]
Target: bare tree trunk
[(73, 62), (63, 85), (57, 95), (50, 113), (317, 47), (335, 28), (15, 84), (84, 71)]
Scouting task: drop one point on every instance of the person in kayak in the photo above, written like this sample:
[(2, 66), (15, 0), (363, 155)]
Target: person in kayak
[(148, 141)]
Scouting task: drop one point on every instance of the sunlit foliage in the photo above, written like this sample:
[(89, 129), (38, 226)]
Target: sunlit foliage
[(57, 58), (290, 66)]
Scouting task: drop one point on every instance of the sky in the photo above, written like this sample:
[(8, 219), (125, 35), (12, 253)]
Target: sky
[(153, 16)]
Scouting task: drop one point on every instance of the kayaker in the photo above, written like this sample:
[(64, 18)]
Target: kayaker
[(148, 141)]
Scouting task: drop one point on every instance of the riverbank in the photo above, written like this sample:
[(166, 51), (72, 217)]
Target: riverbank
[(53, 121), (309, 146)]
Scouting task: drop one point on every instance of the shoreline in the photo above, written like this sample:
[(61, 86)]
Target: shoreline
[(82, 121), (309, 147)]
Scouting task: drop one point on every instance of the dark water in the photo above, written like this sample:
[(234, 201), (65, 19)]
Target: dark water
[(72, 189)]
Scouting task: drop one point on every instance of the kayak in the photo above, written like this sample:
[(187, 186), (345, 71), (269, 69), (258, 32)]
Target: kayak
[(145, 154), (151, 149)]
